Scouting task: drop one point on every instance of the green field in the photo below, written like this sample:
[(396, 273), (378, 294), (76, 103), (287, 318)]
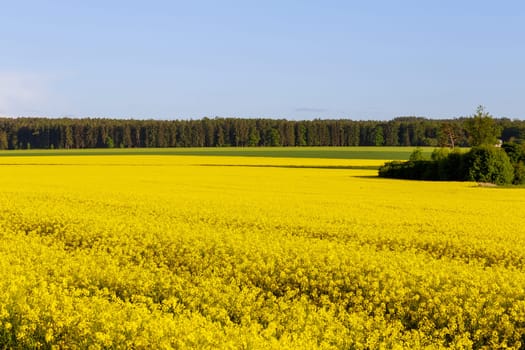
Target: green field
[(390, 153)]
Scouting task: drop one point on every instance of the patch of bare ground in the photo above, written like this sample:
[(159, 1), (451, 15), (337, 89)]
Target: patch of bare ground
[(486, 184)]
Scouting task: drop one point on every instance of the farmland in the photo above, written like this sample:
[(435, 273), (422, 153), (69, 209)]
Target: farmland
[(271, 248), (377, 153)]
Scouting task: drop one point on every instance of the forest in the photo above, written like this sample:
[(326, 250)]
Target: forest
[(66, 133)]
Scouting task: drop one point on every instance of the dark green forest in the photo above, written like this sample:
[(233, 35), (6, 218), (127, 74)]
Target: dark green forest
[(44, 133)]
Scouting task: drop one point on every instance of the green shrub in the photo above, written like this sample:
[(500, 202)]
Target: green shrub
[(440, 154), (453, 168), (482, 164), (519, 173), (416, 155), (489, 164), (516, 152)]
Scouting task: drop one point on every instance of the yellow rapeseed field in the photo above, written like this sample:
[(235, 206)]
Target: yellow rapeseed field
[(160, 252)]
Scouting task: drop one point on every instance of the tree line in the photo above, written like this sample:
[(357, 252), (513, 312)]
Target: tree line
[(44, 133)]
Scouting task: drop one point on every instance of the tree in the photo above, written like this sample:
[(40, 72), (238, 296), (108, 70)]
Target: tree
[(489, 164), (109, 142), (300, 134), (3, 140), (379, 139), (273, 137), (481, 128), (254, 137), (68, 137), (448, 135), (126, 136)]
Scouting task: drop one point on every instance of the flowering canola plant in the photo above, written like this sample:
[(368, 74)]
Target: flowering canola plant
[(254, 253)]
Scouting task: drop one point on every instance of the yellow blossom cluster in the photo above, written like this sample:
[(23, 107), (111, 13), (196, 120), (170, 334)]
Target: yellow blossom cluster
[(254, 253)]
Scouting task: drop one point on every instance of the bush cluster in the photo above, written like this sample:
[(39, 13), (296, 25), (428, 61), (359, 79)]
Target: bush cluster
[(482, 164)]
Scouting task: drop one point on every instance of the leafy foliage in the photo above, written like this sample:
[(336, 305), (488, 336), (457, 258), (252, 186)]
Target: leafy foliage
[(489, 164), (482, 129), (516, 153), (416, 155), (482, 164)]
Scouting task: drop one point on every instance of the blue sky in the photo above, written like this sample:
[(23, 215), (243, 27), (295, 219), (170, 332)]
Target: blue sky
[(277, 59)]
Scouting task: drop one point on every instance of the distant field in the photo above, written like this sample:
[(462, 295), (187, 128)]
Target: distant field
[(389, 153)]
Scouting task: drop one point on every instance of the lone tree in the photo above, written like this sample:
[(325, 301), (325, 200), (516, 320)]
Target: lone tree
[(481, 128), (448, 134)]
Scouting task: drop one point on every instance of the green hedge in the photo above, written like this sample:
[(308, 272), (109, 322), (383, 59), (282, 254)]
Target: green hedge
[(482, 164)]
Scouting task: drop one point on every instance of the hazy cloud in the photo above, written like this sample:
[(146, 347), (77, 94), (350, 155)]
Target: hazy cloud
[(23, 94), (311, 110)]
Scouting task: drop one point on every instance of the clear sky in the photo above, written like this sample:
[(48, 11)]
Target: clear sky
[(278, 59)]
